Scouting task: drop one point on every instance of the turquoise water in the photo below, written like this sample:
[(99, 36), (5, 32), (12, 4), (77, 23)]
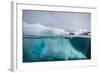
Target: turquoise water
[(56, 49)]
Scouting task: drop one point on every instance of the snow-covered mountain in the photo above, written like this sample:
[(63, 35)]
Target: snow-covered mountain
[(39, 29)]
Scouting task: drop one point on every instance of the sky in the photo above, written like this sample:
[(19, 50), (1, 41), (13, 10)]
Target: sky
[(69, 21)]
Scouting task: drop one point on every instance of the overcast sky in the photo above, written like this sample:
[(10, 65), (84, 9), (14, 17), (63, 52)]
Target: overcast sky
[(69, 21)]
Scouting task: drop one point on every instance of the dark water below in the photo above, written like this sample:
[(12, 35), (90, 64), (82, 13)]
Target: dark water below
[(56, 49)]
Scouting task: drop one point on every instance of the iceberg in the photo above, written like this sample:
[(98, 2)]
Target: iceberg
[(33, 29), (49, 48), (39, 29)]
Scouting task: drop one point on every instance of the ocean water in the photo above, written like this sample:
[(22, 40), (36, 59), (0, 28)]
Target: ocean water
[(56, 49)]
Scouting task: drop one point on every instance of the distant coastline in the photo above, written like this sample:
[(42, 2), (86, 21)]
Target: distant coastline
[(46, 36)]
